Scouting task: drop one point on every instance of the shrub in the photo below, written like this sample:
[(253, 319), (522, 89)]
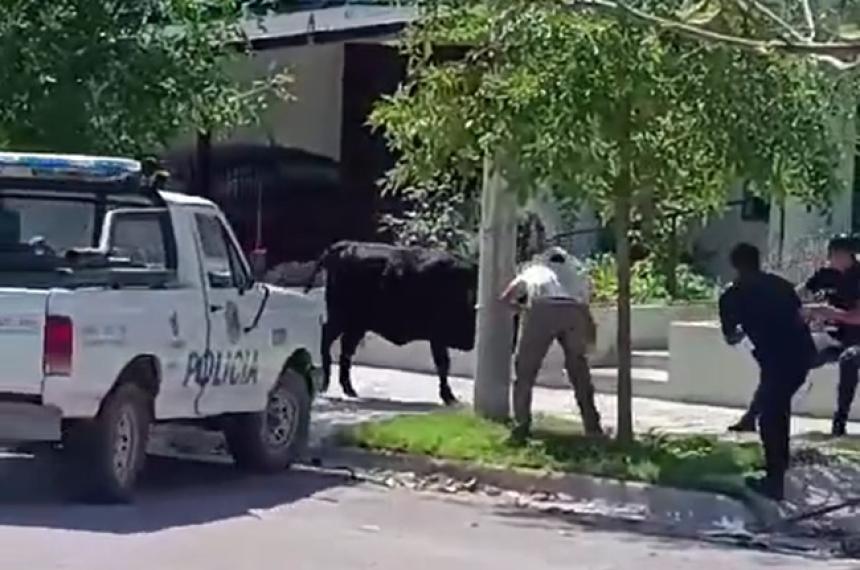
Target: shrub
[(648, 282)]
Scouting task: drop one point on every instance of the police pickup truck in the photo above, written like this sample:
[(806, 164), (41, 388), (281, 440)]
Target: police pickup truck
[(122, 306)]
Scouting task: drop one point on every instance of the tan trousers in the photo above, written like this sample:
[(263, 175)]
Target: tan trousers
[(571, 325)]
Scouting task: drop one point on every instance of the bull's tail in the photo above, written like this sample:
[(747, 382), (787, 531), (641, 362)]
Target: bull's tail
[(322, 263), (317, 268)]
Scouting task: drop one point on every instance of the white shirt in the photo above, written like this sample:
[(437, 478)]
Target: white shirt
[(544, 280)]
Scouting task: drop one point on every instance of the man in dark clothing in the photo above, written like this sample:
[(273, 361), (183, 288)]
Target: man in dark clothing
[(766, 309), (839, 285)]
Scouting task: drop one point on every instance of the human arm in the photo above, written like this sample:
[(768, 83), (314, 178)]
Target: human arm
[(850, 315), (730, 317), (512, 291), (838, 316)]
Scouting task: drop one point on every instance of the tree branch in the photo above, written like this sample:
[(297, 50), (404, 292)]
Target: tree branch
[(840, 54), (810, 20), (773, 16)]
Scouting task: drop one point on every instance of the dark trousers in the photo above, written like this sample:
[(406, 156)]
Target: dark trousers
[(849, 376), (778, 384), (849, 366)]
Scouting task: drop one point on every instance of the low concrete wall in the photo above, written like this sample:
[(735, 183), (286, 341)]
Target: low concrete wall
[(650, 328), (703, 369), (650, 332), (377, 352)]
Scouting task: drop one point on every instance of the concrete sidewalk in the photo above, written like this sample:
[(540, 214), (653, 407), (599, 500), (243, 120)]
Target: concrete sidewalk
[(385, 392)]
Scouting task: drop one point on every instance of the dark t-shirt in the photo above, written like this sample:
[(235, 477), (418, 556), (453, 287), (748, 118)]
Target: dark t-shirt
[(767, 309), (842, 290)]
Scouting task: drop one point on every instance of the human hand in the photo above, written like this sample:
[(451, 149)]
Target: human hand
[(734, 338), (825, 313)]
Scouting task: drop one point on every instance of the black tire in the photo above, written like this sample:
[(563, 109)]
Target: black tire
[(102, 458), (259, 444)]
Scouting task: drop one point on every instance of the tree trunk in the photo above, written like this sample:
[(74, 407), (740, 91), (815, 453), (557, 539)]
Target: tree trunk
[(494, 320), (625, 363), (671, 262)]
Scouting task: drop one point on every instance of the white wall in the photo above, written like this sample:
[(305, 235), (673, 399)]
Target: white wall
[(806, 231), (712, 242), (312, 121), (704, 370)]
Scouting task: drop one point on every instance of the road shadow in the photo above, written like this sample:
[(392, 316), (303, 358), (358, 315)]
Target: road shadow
[(174, 493), (376, 405), (772, 548)]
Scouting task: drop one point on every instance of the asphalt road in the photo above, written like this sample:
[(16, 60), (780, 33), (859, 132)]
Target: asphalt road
[(194, 516)]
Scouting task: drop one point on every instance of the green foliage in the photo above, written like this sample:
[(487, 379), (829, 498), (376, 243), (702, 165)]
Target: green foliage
[(557, 445), (607, 109), (122, 76), (441, 214), (446, 216), (591, 105), (649, 283)]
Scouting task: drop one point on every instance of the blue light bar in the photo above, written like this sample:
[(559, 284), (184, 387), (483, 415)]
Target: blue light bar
[(67, 167)]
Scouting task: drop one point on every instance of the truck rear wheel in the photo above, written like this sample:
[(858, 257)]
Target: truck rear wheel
[(271, 440), (104, 457)]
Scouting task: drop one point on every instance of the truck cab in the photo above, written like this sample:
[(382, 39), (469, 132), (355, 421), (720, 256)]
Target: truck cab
[(122, 305)]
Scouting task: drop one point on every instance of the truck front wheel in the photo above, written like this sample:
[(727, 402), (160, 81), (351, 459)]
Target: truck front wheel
[(104, 456), (271, 440)]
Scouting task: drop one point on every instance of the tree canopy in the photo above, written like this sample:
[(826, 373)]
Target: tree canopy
[(122, 76), (570, 97), (606, 107)]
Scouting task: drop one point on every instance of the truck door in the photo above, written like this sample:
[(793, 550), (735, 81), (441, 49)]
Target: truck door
[(233, 376), (167, 320)]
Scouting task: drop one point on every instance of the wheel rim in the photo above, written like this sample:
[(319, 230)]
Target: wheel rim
[(282, 419), (124, 445)]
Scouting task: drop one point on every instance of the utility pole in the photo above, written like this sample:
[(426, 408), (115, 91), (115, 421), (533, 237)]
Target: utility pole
[(495, 321)]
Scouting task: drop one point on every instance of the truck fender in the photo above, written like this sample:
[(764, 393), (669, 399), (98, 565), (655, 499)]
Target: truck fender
[(144, 371)]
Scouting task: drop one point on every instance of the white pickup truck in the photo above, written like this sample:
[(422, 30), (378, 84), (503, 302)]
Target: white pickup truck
[(121, 306)]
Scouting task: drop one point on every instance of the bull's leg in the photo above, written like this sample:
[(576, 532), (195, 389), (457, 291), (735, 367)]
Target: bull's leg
[(330, 332), (348, 345), (443, 365)]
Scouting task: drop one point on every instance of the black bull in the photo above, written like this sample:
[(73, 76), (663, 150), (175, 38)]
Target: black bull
[(403, 295)]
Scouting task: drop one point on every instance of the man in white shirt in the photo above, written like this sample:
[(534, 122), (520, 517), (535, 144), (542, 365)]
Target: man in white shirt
[(553, 292)]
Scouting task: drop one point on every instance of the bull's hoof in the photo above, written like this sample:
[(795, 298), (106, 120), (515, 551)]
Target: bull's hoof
[(349, 392), (449, 399)]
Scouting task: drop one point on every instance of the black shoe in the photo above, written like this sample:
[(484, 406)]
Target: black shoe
[(772, 488), (838, 429), (746, 424)]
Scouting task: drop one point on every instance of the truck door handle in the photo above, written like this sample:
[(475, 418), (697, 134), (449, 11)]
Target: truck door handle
[(216, 308)]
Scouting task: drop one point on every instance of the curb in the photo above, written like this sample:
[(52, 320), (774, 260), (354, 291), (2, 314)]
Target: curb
[(680, 509)]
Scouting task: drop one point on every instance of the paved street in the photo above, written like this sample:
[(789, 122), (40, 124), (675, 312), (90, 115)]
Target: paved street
[(194, 516)]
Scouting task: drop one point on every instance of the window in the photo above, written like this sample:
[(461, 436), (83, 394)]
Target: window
[(62, 224), (141, 238), (223, 264)]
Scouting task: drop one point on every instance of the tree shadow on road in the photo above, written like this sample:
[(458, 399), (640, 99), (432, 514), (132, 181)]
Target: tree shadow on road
[(173, 493), (772, 548)]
